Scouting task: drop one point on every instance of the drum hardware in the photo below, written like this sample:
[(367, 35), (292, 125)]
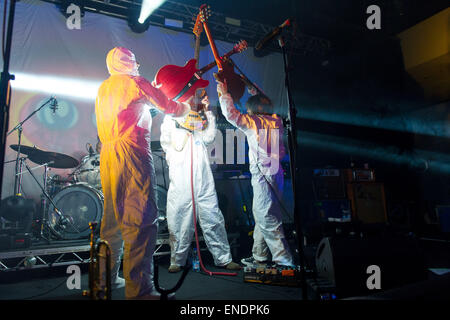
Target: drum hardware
[(89, 171), (63, 221), (19, 128), (45, 159), (96, 290)]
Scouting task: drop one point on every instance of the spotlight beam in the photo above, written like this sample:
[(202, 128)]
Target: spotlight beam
[(59, 86), (420, 160), (147, 8)]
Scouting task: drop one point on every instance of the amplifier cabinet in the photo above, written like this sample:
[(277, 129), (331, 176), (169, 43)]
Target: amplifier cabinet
[(368, 202)]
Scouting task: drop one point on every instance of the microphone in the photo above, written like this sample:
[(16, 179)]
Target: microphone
[(261, 43), (54, 105)]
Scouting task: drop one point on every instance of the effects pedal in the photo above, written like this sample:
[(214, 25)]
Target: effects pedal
[(273, 275)]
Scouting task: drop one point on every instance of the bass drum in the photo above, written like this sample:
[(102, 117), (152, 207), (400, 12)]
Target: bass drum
[(80, 203), (89, 171)]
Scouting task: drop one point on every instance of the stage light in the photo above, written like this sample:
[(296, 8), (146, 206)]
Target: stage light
[(58, 86), (147, 8)]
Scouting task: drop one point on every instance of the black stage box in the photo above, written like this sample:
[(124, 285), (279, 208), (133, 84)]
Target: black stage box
[(345, 262)]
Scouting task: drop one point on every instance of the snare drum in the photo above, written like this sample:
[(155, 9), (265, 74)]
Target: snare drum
[(89, 171), (80, 203), (56, 183)]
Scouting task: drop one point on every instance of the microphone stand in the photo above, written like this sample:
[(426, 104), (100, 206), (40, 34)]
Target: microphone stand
[(19, 163), (292, 150)]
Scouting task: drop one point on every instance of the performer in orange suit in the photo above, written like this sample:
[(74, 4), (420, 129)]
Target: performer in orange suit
[(129, 222)]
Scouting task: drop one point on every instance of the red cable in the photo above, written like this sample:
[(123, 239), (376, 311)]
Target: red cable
[(195, 220)]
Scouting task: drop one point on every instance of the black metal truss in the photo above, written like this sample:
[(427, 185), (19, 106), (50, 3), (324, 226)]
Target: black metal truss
[(248, 30)]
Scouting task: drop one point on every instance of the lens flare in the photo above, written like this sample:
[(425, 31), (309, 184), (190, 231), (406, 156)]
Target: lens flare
[(58, 86)]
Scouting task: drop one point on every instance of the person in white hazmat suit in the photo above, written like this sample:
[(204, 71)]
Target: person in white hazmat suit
[(129, 221), (178, 143), (264, 132)]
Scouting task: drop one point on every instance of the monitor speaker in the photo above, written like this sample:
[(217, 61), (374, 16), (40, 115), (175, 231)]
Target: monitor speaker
[(346, 263)]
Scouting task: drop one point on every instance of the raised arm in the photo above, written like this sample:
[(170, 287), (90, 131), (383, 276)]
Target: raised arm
[(159, 100), (209, 134), (229, 111)]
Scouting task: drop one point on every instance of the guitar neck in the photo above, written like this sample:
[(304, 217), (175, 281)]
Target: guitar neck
[(213, 46), (196, 106), (197, 50), (214, 63)]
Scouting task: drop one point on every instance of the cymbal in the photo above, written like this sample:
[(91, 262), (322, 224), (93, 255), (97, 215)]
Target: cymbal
[(54, 159), (24, 149)]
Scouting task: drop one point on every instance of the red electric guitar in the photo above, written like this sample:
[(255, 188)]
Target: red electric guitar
[(181, 83), (235, 85), (196, 119)]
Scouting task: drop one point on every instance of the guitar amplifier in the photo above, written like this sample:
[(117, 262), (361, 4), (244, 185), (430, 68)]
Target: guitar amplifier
[(328, 184), (368, 202), (333, 210), (356, 175)]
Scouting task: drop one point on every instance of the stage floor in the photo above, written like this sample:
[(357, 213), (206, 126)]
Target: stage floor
[(50, 284)]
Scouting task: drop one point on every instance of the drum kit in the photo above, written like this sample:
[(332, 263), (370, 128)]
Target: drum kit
[(68, 205)]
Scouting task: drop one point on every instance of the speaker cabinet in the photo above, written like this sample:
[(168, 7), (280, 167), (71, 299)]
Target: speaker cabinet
[(344, 263), (368, 202)]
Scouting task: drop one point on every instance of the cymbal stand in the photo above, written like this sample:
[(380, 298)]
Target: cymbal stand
[(44, 201), (19, 166), (62, 219), (18, 176)]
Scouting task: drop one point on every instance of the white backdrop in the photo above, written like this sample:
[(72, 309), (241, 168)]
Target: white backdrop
[(45, 49)]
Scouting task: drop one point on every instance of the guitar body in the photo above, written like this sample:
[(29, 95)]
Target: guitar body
[(173, 79), (235, 85), (194, 121)]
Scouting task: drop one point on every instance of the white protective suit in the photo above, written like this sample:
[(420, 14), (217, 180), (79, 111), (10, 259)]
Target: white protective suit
[(264, 135), (177, 143), (129, 222)]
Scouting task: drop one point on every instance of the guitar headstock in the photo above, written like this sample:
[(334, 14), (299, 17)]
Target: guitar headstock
[(205, 12), (198, 26), (240, 46)]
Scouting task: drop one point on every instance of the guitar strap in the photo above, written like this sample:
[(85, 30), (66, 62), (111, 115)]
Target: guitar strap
[(191, 82), (186, 136)]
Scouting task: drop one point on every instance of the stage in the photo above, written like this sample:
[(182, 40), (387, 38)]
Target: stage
[(346, 103), (49, 281)]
